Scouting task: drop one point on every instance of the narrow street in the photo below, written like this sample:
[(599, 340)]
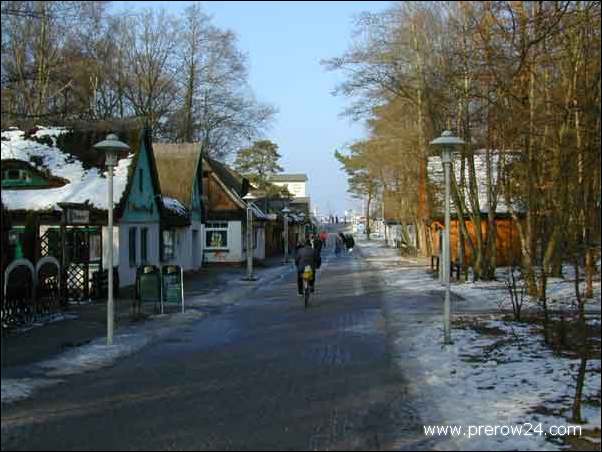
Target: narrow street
[(261, 374)]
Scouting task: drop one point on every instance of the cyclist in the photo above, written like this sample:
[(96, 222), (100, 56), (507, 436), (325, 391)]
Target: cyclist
[(305, 256)]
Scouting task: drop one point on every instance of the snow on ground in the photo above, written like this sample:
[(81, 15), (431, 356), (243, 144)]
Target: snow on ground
[(560, 291), (45, 320), (497, 373), (483, 294), (237, 288), (97, 354), (130, 339), (491, 380), (14, 390)]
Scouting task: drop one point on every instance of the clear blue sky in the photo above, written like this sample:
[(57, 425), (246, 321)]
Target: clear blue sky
[(285, 42)]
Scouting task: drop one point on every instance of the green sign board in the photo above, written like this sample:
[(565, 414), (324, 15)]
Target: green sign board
[(172, 284), (149, 284)]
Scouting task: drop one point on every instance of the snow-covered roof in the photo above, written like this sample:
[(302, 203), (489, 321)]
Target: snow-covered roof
[(296, 218), (84, 185), (174, 206), (436, 175), (258, 213)]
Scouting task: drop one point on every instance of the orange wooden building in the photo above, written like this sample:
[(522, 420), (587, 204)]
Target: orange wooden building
[(507, 242)]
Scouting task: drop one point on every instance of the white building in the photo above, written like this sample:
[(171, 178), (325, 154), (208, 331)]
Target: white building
[(296, 184)]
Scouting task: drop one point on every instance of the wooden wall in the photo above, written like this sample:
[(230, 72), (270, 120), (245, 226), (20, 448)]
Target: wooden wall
[(507, 240), (217, 198)]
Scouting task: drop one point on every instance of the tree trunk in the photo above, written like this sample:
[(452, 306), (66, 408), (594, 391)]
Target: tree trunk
[(576, 417)]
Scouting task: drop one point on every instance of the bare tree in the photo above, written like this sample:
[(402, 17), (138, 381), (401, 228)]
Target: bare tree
[(149, 41), (40, 40)]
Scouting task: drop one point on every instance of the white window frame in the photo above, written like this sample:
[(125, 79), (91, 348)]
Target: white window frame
[(211, 226)]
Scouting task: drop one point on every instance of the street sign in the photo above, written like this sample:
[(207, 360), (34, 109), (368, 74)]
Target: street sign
[(173, 285), (75, 216)]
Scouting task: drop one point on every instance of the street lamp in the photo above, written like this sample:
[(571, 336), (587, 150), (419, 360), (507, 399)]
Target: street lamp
[(112, 148), (303, 225), (285, 213), (248, 197), (446, 141)]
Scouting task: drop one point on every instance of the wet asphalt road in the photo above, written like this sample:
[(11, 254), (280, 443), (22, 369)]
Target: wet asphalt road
[(261, 374)]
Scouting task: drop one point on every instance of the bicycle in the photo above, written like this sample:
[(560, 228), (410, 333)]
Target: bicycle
[(307, 277)]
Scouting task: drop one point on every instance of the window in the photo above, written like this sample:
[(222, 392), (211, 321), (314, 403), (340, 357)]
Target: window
[(140, 181), (132, 246), (169, 243), (16, 174), (95, 247), (216, 235), (143, 245)]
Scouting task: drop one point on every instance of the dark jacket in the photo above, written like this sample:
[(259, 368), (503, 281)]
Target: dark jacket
[(305, 256), (350, 241)]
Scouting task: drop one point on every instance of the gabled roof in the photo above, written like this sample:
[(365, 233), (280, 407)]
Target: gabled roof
[(233, 184), (52, 151), (228, 176), (177, 166), (145, 144)]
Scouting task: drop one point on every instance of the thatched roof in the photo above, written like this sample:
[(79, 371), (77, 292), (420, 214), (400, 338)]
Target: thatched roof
[(234, 181), (177, 166)]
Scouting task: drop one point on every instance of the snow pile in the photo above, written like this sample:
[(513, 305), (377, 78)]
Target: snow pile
[(84, 185), (97, 354), (46, 320), (14, 390), (174, 205)]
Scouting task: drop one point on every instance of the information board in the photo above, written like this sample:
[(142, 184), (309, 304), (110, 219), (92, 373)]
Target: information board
[(149, 284), (173, 285)]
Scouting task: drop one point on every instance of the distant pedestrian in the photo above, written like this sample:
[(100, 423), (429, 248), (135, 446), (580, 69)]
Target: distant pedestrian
[(323, 236), (338, 245), (350, 242)]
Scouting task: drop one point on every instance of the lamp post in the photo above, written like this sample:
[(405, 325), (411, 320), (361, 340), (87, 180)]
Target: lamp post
[(250, 276), (112, 147), (446, 141), (304, 226), (285, 213)]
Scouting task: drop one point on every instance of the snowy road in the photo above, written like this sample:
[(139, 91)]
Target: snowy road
[(261, 374)]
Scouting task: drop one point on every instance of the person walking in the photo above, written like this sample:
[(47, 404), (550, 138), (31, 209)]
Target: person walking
[(350, 242), (338, 245)]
